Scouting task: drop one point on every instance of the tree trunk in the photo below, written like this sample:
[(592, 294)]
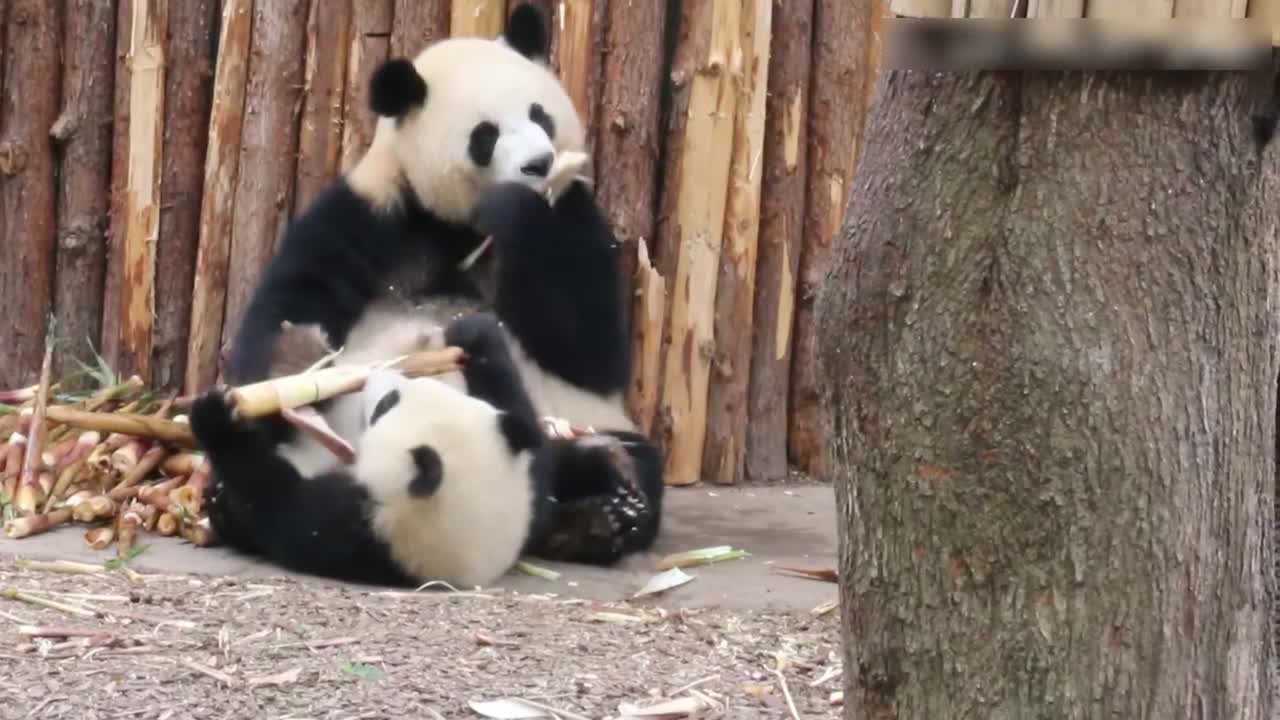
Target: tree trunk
[(781, 224), (28, 187), (83, 130), (268, 148), (837, 106), (187, 97), (418, 23), (1049, 343)]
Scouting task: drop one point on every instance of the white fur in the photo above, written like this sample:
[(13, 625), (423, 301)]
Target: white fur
[(472, 530), (469, 80)]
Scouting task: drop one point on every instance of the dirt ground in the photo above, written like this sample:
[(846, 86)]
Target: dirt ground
[(241, 640)]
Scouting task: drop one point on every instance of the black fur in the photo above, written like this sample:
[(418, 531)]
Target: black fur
[(396, 88), (484, 138), (430, 472), (526, 32), (539, 115)]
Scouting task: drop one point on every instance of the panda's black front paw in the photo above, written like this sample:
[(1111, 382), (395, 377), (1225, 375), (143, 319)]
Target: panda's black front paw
[(510, 210), (212, 422), (480, 337)]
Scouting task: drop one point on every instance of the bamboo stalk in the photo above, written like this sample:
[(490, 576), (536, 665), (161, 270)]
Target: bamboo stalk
[(35, 524), (146, 59), (100, 538), (724, 453), (127, 424), (28, 496), (74, 464), (700, 214), (222, 164)]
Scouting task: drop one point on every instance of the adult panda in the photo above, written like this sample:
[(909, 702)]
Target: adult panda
[(447, 485), (466, 141)]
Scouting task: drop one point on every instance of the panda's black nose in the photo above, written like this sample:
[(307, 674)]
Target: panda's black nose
[(538, 166)]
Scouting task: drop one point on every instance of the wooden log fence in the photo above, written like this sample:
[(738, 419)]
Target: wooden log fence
[(160, 147)]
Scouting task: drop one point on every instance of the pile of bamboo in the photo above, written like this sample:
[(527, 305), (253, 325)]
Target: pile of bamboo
[(119, 461)]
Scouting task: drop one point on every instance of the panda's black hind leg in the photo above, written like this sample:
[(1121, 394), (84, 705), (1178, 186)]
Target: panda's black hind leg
[(601, 512)]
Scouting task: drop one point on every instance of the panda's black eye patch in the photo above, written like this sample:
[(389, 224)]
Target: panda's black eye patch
[(385, 403), (539, 116), (484, 137)]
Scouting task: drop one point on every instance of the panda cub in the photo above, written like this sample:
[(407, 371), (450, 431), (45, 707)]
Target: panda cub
[(468, 136), (446, 485)]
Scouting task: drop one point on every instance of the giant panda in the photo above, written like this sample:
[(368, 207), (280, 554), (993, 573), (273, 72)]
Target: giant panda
[(446, 486), (466, 137)]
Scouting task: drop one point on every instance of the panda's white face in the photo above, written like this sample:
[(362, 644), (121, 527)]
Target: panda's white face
[(487, 114)]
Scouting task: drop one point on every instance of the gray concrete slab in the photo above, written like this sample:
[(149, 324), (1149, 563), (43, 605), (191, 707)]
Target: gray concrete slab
[(778, 525)]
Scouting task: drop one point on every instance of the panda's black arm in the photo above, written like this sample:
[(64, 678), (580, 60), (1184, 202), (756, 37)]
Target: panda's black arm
[(490, 371), (559, 283)]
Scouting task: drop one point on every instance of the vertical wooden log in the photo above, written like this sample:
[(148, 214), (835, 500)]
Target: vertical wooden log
[(648, 316), (418, 23), (320, 132), (725, 449), (781, 227), (140, 149), (83, 130), (370, 43), (112, 316), (1145, 9), (28, 187), (836, 113), (577, 55), (1055, 8), (482, 18), (268, 147), (217, 202), (187, 96), (700, 212), (627, 144)]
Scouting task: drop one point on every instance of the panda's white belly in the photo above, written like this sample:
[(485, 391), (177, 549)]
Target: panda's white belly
[(469, 533)]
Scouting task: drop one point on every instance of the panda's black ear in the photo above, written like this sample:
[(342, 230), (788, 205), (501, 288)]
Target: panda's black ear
[(429, 472), (396, 88), (526, 32)]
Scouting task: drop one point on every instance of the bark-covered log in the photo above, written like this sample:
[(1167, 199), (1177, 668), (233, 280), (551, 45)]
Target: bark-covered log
[(1049, 349), (28, 187), (140, 149), (217, 202), (370, 44), (626, 161), (836, 111), (268, 148), (724, 452), (325, 73), (111, 285), (479, 18), (418, 23), (187, 95), (83, 131), (578, 55), (696, 230), (781, 226)]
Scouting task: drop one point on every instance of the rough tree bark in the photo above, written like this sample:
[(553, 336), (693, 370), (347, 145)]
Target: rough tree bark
[(187, 97), (84, 131), (28, 188), (781, 224), (418, 23), (1049, 347)]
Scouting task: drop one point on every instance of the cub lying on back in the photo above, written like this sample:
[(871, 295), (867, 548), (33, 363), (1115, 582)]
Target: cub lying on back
[(446, 485)]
